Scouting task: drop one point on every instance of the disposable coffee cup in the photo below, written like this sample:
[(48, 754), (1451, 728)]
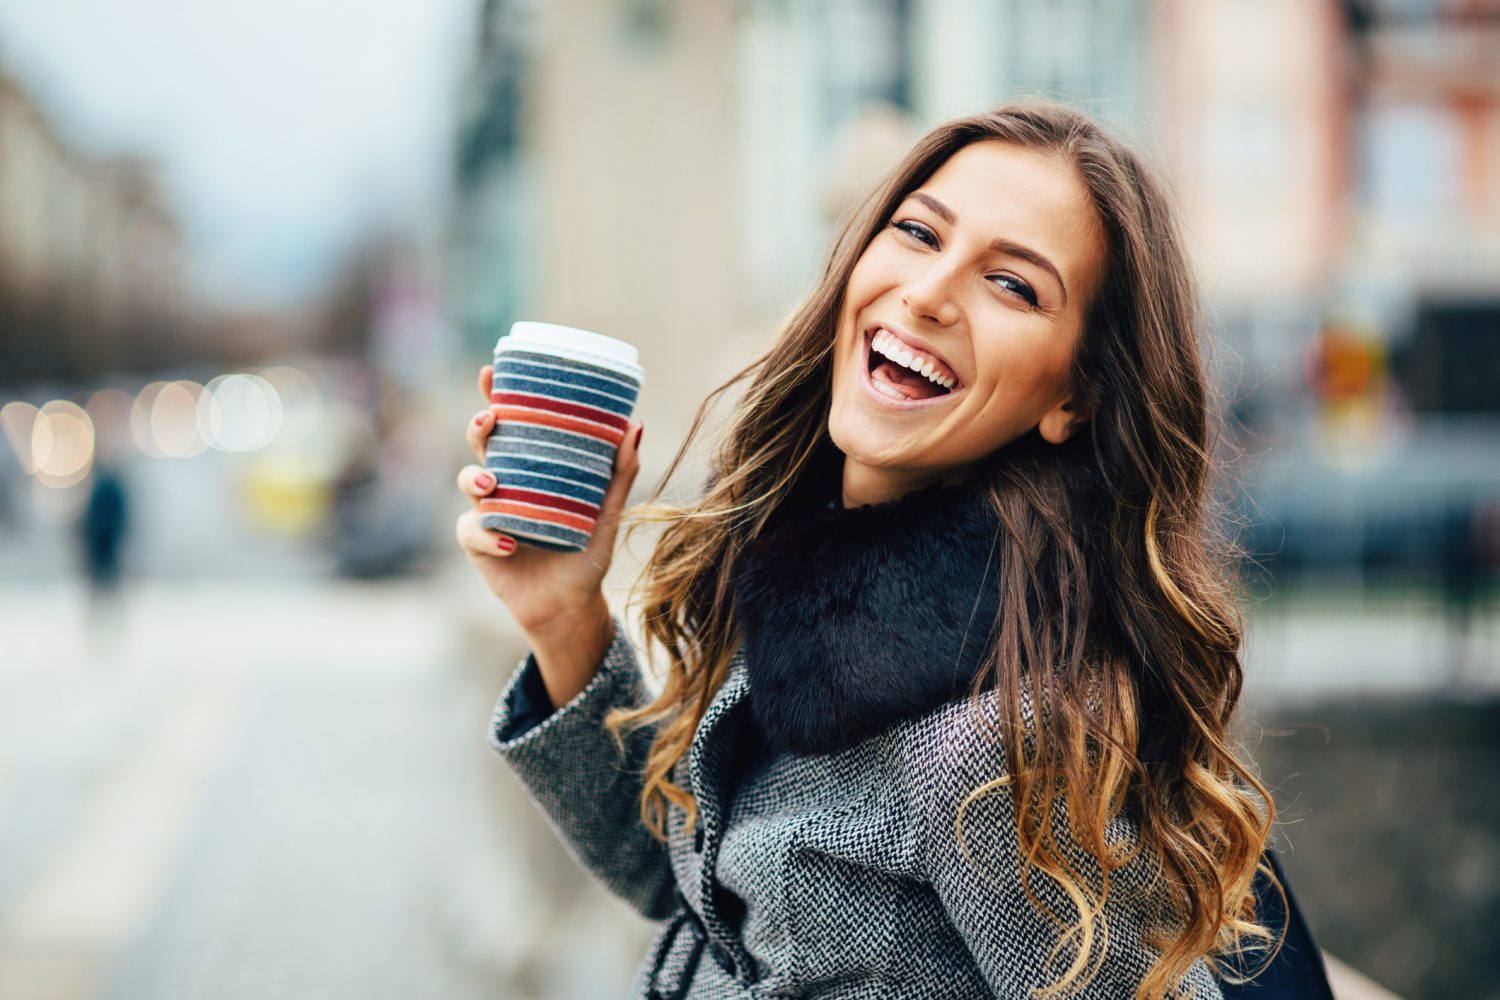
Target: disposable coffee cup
[(562, 398)]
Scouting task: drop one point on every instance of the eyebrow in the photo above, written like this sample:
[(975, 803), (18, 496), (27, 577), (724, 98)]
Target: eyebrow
[(1000, 244)]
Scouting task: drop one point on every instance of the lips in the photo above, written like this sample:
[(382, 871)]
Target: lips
[(915, 346), (867, 385)]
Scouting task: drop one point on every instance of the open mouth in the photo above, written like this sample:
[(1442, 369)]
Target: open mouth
[(902, 380)]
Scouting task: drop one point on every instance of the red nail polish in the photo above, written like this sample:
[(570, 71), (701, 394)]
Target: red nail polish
[(638, 432), (505, 544), (480, 418)]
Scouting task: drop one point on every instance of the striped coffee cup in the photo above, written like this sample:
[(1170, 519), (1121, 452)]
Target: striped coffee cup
[(562, 398)]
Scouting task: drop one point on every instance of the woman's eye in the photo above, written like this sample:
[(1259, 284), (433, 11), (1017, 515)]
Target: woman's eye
[(1016, 286), (1012, 284), (916, 231)]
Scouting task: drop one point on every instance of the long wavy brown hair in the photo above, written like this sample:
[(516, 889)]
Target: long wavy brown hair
[(1118, 616)]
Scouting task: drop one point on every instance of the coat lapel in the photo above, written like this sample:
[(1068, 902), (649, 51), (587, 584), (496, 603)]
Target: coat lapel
[(852, 620), (709, 761), (708, 757)]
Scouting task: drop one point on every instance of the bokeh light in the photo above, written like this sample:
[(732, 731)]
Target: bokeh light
[(296, 388), (239, 412), (174, 420), (140, 420), (62, 444)]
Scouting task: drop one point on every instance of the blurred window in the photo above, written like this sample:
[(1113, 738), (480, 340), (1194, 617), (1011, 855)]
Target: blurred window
[(1452, 362), (1246, 149), (1410, 161), (867, 58), (1083, 51)]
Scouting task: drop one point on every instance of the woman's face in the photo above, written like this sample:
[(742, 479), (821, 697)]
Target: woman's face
[(981, 276)]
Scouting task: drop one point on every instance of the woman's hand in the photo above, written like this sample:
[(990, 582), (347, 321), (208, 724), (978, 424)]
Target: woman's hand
[(556, 597)]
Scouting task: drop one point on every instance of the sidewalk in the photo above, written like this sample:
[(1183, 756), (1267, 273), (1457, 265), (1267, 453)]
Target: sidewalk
[(255, 791)]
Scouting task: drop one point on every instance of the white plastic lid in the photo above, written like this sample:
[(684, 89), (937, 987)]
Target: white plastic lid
[(571, 342)]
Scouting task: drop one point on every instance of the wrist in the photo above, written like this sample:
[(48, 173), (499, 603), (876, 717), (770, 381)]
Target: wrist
[(568, 651), (585, 621)]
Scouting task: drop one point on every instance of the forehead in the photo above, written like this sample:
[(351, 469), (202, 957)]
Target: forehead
[(1000, 189)]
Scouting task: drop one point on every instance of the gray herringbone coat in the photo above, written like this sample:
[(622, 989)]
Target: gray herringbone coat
[(827, 875)]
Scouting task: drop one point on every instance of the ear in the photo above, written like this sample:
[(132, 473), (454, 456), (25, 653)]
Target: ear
[(1059, 423)]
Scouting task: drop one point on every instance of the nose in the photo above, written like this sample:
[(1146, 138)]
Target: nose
[(929, 294)]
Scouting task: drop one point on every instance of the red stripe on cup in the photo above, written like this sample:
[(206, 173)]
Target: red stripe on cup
[(542, 418), (532, 512), (580, 410), (547, 500)]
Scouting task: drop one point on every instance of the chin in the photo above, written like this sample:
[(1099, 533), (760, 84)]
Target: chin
[(863, 443)]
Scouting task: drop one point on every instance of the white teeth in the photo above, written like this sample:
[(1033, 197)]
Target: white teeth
[(887, 345)]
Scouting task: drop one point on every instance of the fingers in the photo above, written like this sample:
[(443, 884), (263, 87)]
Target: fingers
[(478, 432), (627, 464), (478, 541), (475, 482), (630, 447)]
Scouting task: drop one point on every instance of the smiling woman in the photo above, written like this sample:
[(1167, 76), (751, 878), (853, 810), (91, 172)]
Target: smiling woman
[(952, 657), (962, 277)]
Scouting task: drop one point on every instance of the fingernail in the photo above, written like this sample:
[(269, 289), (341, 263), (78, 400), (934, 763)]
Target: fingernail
[(479, 418), (638, 432), (505, 544), (484, 480)]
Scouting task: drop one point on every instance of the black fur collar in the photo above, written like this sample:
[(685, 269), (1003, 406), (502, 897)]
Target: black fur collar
[(855, 619)]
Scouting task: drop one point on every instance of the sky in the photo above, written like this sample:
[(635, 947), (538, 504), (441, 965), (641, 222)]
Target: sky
[(279, 127)]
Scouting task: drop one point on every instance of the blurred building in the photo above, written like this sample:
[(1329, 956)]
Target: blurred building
[(91, 256), (1342, 158), (1427, 222), (491, 266), (1341, 167), (831, 95), (674, 174), (595, 173), (670, 172)]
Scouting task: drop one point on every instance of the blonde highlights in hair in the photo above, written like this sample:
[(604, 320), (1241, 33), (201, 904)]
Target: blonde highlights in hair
[(1116, 603)]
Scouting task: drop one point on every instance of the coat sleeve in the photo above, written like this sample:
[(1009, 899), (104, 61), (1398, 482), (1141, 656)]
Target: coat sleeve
[(948, 756), (573, 771)]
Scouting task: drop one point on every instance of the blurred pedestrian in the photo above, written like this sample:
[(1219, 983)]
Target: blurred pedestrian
[(103, 528)]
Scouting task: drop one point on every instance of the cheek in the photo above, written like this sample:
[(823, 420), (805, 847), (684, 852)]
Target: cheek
[(1025, 368), (863, 287), (873, 273)]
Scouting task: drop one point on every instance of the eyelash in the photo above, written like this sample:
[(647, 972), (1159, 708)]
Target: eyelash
[(1020, 289)]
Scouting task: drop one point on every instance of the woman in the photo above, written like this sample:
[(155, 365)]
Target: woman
[(950, 665)]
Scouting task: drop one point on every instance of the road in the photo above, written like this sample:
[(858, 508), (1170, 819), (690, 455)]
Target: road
[(277, 791)]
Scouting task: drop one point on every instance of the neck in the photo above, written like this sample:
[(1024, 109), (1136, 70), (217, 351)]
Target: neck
[(868, 484)]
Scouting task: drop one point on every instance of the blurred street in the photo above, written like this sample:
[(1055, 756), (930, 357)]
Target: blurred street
[(251, 259), (243, 791), (247, 790)]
